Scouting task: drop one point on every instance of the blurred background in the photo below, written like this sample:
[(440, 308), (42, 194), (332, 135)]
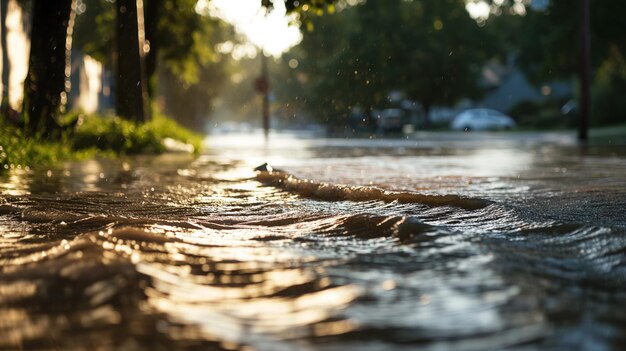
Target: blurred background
[(364, 67)]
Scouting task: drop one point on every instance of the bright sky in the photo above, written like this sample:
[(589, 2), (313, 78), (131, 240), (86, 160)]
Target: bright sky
[(480, 10), (271, 32)]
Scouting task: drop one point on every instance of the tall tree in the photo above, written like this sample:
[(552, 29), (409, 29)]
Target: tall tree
[(46, 85), (445, 54), (555, 45), (429, 49), (549, 46), (131, 88)]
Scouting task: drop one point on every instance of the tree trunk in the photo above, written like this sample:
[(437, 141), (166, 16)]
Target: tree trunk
[(46, 85), (153, 10), (4, 103), (131, 89)]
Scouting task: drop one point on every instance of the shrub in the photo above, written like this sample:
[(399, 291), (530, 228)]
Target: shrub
[(112, 133), (608, 103), (16, 150), (102, 135), (540, 115)]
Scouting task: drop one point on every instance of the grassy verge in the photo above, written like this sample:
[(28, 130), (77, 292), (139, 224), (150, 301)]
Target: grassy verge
[(615, 135), (93, 136), (114, 134), (16, 150)]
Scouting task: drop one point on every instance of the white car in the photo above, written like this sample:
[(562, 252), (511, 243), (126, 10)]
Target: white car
[(482, 119)]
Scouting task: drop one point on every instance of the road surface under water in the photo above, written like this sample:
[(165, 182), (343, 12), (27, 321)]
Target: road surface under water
[(447, 242)]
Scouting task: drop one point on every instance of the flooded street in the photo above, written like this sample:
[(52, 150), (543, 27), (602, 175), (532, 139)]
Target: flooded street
[(456, 241)]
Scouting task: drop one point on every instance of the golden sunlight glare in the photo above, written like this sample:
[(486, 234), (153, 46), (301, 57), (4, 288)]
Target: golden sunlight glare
[(273, 32)]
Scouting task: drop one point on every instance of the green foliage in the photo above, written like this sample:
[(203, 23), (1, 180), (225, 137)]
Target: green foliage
[(306, 5), (186, 39), (307, 10), (541, 115), (165, 127), (608, 103), (18, 150), (191, 71), (114, 133), (94, 30), (431, 50), (613, 135), (111, 133), (97, 135), (190, 83), (548, 42), (182, 52)]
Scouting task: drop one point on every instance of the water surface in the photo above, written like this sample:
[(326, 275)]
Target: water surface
[(453, 242)]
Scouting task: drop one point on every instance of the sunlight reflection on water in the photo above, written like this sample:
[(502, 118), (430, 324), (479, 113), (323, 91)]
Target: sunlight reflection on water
[(379, 244)]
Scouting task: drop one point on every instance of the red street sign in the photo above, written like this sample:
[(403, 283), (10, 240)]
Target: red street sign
[(261, 85)]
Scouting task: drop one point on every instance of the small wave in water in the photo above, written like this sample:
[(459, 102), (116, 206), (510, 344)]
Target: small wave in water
[(336, 192)]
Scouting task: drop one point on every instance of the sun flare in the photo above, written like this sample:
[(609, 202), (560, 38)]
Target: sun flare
[(274, 32)]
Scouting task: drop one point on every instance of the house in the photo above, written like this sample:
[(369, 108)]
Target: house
[(507, 86)]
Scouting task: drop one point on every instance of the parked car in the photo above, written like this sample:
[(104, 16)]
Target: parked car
[(391, 120), (482, 119)]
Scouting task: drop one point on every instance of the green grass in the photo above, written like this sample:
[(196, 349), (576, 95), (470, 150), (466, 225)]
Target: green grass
[(16, 150), (94, 136), (111, 133), (613, 135)]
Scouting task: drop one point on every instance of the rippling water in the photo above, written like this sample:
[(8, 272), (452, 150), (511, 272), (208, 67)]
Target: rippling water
[(476, 242)]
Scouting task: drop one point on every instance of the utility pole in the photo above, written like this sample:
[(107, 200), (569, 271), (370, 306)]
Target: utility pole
[(585, 71), (263, 87)]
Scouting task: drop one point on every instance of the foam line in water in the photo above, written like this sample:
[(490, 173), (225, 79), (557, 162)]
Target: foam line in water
[(339, 192)]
